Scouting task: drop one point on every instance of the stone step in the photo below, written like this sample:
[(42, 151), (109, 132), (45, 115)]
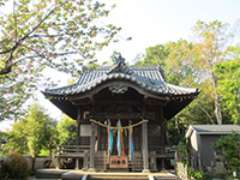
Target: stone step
[(117, 177), (49, 173), (165, 178)]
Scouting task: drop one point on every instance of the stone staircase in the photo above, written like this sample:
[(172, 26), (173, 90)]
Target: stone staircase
[(117, 177), (80, 175)]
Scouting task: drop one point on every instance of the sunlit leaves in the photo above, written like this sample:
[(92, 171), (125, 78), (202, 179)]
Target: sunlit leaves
[(67, 132), (228, 147), (59, 34), (228, 74), (32, 133)]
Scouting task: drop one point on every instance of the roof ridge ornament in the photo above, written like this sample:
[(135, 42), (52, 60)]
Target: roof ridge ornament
[(119, 65)]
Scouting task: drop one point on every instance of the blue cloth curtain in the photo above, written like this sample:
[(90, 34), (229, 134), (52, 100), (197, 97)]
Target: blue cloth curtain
[(110, 138), (131, 145), (119, 146)]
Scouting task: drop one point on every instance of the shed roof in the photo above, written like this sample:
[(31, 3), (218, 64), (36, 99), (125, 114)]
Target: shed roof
[(212, 129)]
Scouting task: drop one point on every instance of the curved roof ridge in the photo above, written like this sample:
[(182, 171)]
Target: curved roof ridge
[(156, 68), (182, 89), (148, 78)]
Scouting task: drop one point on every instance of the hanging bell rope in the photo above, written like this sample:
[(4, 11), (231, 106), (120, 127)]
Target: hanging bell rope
[(115, 127)]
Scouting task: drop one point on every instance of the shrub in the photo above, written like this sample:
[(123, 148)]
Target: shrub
[(195, 174), (229, 148), (182, 153), (15, 166)]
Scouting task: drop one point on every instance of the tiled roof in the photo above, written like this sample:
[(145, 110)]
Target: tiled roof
[(213, 129), (149, 79)]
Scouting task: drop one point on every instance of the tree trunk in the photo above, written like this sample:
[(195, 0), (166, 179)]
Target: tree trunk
[(217, 111), (33, 163), (217, 106), (50, 158)]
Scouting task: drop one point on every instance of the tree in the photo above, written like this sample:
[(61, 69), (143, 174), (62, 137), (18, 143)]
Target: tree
[(175, 60), (59, 34), (229, 147), (154, 55), (16, 139), (32, 134), (67, 131), (192, 63), (39, 131), (228, 77), (195, 64), (213, 38), (46, 30)]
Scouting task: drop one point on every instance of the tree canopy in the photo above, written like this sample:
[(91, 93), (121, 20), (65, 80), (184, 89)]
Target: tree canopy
[(34, 132), (228, 75), (209, 62), (67, 131), (58, 34)]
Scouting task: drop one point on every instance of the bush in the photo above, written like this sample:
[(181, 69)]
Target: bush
[(229, 148), (182, 153), (15, 166), (195, 174)]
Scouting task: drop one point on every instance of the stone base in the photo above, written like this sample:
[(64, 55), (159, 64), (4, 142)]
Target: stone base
[(146, 171), (91, 170)]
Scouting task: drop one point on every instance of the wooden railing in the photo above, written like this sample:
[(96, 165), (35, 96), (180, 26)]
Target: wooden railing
[(78, 152), (75, 152), (72, 150)]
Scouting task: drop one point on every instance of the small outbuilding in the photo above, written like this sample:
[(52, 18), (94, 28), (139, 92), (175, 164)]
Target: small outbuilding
[(201, 140)]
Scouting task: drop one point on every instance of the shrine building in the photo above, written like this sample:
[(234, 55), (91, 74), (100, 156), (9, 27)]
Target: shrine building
[(121, 114)]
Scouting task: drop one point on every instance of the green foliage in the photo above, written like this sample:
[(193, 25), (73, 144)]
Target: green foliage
[(58, 34), (154, 55), (16, 140), (15, 166), (204, 63), (38, 130), (228, 74), (182, 152), (67, 131), (32, 134), (229, 148), (195, 174), (176, 59), (182, 155)]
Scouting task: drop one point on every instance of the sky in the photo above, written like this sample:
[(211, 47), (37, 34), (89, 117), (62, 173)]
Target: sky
[(151, 22)]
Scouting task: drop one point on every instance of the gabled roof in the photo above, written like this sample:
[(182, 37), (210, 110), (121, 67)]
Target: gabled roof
[(149, 79), (213, 129)]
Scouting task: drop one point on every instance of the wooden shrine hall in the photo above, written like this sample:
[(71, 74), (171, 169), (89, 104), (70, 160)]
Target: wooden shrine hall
[(121, 114)]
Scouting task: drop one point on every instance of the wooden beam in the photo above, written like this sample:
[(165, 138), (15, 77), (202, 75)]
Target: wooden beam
[(111, 83), (105, 115)]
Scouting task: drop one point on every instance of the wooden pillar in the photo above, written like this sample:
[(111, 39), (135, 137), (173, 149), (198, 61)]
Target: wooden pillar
[(77, 163), (92, 147), (79, 116), (58, 163), (145, 147), (163, 137), (163, 144), (85, 160)]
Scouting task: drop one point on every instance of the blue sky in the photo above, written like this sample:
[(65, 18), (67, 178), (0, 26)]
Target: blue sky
[(150, 22)]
